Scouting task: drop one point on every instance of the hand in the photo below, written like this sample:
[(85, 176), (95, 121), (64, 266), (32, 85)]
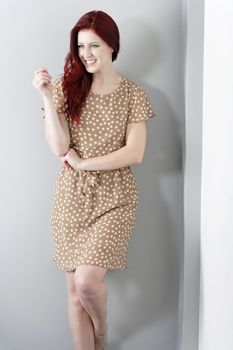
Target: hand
[(72, 160), (42, 81)]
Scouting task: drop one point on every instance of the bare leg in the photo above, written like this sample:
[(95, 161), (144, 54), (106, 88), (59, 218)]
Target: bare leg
[(93, 296), (81, 325)]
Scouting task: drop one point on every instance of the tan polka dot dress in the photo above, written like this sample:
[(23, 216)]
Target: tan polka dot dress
[(93, 212)]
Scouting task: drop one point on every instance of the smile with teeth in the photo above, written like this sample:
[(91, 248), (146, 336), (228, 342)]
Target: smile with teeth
[(90, 62)]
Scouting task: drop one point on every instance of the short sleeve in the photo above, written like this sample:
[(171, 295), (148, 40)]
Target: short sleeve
[(139, 107), (59, 100)]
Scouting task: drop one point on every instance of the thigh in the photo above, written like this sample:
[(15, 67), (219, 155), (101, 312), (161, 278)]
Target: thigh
[(92, 273)]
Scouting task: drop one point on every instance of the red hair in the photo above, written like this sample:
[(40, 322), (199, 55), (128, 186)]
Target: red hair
[(77, 81)]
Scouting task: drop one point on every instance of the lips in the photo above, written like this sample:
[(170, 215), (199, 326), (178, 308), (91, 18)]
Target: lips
[(90, 62)]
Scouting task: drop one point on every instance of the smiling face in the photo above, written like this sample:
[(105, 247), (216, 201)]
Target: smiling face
[(95, 54)]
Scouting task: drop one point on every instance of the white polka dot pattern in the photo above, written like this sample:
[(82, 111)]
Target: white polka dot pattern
[(59, 99), (93, 212)]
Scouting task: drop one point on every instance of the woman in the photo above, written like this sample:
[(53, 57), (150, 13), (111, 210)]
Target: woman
[(95, 121)]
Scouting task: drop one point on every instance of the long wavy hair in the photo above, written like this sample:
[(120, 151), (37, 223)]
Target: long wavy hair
[(77, 81)]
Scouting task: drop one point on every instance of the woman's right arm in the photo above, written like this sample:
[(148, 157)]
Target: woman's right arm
[(57, 133), (56, 126)]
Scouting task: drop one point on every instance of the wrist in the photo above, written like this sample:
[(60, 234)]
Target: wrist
[(47, 98), (80, 164)]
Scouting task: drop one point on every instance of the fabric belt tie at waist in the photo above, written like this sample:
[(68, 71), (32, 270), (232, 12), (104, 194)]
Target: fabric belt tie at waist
[(88, 180)]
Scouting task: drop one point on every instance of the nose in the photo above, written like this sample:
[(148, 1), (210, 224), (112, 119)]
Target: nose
[(87, 53)]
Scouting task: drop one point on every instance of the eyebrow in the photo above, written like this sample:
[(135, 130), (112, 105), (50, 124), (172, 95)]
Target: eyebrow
[(94, 42)]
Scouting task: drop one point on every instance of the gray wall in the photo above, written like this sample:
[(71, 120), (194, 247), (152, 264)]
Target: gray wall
[(194, 29), (143, 300)]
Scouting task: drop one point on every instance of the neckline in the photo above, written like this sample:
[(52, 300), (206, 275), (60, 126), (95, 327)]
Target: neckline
[(111, 93)]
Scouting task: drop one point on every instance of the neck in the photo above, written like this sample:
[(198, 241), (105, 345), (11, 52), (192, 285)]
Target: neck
[(105, 78)]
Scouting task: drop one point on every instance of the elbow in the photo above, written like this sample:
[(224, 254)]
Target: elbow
[(138, 158), (61, 154), (58, 150), (136, 154), (62, 151)]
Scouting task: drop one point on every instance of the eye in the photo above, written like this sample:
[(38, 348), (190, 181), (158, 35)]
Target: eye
[(95, 45)]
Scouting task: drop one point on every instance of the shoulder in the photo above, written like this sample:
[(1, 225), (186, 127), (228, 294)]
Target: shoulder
[(132, 84), (135, 88), (139, 105), (136, 92)]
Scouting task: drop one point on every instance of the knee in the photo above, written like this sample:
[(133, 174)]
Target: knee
[(86, 286)]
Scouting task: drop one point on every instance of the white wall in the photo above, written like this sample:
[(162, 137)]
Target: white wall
[(216, 303), (144, 300), (207, 314)]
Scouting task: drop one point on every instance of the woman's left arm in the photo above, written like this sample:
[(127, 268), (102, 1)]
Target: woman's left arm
[(131, 153)]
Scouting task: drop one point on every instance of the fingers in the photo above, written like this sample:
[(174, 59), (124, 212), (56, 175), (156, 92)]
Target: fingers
[(41, 70), (42, 80), (66, 163), (41, 76)]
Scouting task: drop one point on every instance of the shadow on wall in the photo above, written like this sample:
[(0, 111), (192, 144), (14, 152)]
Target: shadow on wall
[(139, 51), (147, 294)]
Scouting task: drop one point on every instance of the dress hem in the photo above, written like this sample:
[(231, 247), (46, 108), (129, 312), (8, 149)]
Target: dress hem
[(109, 267)]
